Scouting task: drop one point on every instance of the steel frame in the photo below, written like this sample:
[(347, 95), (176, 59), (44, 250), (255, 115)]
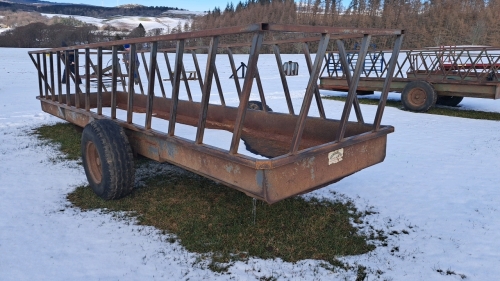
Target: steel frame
[(304, 153), (452, 70)]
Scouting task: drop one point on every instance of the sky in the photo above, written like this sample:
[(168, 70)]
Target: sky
[(436, 192)]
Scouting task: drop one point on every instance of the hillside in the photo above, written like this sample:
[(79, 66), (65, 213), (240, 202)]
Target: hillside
[(83, 10), (33, 29)]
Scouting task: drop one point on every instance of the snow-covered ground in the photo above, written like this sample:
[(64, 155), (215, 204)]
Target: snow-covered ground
[(3, 29), (438, 188), (130, 22)]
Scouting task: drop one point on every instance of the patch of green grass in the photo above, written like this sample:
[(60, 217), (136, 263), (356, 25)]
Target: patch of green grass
[(218, 222), (66, 135), (447, 111), (207, 217)]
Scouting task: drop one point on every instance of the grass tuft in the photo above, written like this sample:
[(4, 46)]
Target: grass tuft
[(65, 135), (207, 217)]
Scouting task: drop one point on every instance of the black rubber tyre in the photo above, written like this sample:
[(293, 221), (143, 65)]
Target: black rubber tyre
[(364, 93), (107, 159), (257, 105), (449, 100), (418, 96)]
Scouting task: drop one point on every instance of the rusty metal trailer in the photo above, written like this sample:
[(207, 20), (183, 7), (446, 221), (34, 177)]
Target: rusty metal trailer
[(440, 75), (302, 152)]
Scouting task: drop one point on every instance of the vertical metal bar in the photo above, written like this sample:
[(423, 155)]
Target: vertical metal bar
[(186, 83), (353, 86), (151, 84), (245, 93), (77, 79), (387, 82), (37, 65), (133, 63), (114, 54), (169, 68), (120, 74), (131, 80), (139, 82), (176, 81), (235, 72), (67, 70), (99, 81), (52, 83), (145, 64), (160, 81), (306, 104), (96, 71), (261, 90), (87, 79), (219, 86), (326, 66), (45, 75), (197, 68), (59, 85), (131, 67), (317, 95), (127, 67), (283, 79), (344, 63), (207, 87)]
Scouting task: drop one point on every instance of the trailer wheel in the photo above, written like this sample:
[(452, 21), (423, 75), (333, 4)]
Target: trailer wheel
[(418, 96), (364, 93), (257, 105), (449, 100), (107, 159)]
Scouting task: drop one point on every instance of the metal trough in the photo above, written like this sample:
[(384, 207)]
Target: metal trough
[(302, 152)]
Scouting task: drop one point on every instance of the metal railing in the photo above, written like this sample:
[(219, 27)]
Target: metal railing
[(108, 79), (457, 63)]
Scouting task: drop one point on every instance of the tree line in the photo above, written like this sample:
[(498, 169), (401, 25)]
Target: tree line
[(105, 12), (426, 22), (88, 10)]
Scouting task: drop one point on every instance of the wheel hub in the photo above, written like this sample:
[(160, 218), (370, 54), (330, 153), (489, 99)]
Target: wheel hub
[(253, 106), (94, 162), (417, 97)]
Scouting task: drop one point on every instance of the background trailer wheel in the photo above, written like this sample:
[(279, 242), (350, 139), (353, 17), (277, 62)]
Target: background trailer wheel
[(418, 96), (364, 93), (257, 105), (449, 100), (107, 159)]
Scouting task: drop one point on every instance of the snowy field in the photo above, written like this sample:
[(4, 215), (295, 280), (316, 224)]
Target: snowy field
[(130, 22), (438, 188)]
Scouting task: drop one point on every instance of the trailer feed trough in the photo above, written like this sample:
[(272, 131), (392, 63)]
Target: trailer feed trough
[(136, 111), (425, 77)]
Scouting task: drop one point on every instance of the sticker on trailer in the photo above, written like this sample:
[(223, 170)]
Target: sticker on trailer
[(335, 156)]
